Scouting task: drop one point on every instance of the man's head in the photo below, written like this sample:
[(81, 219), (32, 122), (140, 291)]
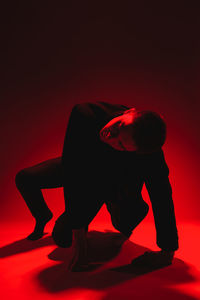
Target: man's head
[(140, 131)]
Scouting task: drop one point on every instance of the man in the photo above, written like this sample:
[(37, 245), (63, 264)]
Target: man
[(109, 152)]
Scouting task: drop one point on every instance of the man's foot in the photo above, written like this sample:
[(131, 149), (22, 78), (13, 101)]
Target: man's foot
[(38, 231)]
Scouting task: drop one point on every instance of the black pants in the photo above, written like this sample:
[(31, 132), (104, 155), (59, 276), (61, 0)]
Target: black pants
[(31, 180), (49, 174)]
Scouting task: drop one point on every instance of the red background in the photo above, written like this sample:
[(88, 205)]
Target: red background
[(142, 54)]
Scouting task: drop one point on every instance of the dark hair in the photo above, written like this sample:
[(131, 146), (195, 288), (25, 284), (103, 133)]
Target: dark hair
[(148, 131)]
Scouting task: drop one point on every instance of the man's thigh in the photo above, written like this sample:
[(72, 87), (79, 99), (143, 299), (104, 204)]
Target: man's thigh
[(47, 174)]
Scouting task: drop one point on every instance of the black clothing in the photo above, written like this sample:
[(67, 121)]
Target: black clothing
[(31, 180), (95, 173), (92, 173)]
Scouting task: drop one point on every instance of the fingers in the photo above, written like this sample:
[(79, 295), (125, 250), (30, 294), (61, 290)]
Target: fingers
[(152, 258), (78, 261), (76, 265), (72, 262)]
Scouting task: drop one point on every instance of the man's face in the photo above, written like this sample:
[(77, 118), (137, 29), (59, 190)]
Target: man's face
[(117, 132)]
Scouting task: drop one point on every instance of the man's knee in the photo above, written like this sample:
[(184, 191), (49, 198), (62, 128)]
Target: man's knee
[(22, 178), (126, 220), (62, 231)]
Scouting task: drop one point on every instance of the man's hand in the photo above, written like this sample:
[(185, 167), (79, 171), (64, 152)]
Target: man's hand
[(79, 247), (154, 259)]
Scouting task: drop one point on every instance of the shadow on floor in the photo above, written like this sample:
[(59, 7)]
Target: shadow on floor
[(111, 267), (24, 245)]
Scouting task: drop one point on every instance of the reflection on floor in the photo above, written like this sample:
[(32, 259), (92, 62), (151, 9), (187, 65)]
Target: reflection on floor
[(38, 270)]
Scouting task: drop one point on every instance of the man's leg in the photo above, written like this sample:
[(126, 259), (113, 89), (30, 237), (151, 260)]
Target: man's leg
[(30, 181), (126, 219)]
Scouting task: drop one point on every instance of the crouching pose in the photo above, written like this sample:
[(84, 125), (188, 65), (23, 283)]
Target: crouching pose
[(109, 152)]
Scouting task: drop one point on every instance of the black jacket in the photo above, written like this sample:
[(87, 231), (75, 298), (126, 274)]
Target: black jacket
[(95, 173)]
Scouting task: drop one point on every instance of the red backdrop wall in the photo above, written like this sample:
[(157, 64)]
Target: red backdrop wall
[(142, 54)]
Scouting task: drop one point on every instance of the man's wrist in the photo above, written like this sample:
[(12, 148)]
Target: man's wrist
[(79, 230), (79, 233)]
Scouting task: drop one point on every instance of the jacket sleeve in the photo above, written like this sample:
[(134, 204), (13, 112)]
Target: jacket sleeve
[(160, 193), (78, 161)]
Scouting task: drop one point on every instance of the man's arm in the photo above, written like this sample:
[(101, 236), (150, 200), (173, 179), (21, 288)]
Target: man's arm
[(78, 161), (160, 193)]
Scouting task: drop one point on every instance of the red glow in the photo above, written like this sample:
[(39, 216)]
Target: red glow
[(21, 271), (142, 54), (31, 270)]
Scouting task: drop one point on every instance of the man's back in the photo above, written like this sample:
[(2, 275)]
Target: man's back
[(91, 153)]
